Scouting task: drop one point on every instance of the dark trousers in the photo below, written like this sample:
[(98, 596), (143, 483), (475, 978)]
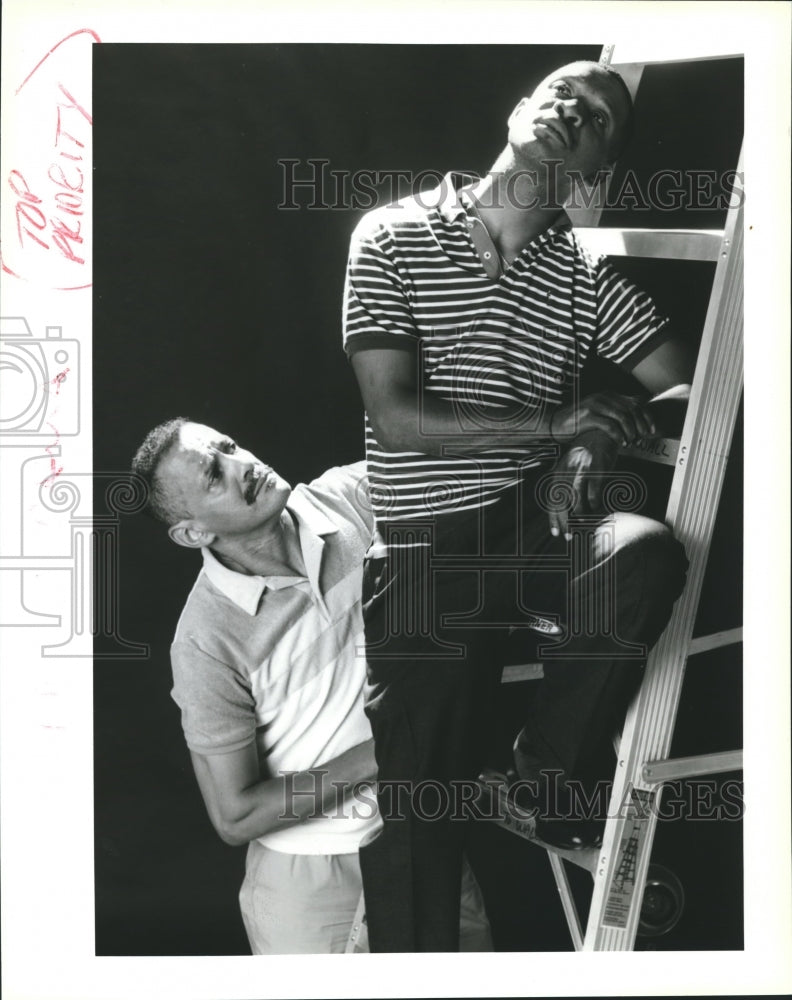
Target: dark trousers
[(439, 622)]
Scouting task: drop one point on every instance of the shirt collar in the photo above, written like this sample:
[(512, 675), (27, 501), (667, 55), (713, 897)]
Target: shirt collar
[(446, 197), (246, 591)]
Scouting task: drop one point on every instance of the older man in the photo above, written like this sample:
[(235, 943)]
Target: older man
[(268, 677), (468, 317)]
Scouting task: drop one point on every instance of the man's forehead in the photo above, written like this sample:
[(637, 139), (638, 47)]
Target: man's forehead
[(192, 451), (594, 75), (199, 437), (597, 84)]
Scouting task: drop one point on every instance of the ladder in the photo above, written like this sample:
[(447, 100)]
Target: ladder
[(619, 868)]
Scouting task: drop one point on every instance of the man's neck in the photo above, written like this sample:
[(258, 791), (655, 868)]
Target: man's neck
[(517, 204), (273, 551)]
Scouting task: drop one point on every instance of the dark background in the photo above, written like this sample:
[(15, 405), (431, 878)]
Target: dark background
[(212, 302)]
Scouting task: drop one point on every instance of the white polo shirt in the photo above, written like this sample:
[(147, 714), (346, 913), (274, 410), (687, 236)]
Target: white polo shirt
[(280, 660)]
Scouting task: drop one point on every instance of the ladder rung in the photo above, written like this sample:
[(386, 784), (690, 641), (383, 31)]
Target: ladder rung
[(664, 451), (703, 643), (523, 824), (671, 244), (656, 771)]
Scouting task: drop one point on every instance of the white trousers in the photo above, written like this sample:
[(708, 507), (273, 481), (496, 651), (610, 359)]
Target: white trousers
[(309, 904)]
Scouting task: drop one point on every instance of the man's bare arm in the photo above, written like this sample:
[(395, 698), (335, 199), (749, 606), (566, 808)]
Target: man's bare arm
[(403, 419), (666, 374), (243, 807), (669, 365)]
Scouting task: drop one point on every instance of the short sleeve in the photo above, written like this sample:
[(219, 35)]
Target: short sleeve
[(629, 325), (217, 706), (344, 490), (376, 311), (352, 485)]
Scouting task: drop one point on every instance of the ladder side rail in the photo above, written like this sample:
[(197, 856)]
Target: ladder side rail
[(691, 513)]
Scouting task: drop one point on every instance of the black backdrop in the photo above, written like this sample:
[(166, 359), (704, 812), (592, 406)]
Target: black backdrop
[(214, 302)]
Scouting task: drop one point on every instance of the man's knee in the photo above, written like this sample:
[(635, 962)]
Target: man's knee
[(665, 560), (651, 545), (651, 572)]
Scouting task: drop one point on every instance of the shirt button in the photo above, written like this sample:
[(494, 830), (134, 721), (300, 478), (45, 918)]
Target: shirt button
[(487, 255)]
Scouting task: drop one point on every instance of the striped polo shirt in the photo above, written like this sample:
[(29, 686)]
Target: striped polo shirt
[(279, 662), (416, 282)]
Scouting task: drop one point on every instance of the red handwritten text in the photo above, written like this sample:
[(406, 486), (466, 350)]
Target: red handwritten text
[(58, 220), (59, 379), (55, 469), (46, 219)]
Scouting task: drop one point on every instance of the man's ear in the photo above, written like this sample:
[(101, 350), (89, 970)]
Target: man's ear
[(190, 535)]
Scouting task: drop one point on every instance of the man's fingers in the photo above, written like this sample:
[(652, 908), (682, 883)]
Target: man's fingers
[(650, 430), (643, 419), (594, 493), (622, 418), (610, 426), (580, 483), (612, 414), (622, 412), (558, 523), (559, 517), (636, 421)]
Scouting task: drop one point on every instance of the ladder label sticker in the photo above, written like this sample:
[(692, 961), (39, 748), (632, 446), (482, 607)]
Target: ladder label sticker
[(622, 890)]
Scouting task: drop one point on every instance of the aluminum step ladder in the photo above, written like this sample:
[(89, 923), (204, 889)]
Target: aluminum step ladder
[(699, 458)]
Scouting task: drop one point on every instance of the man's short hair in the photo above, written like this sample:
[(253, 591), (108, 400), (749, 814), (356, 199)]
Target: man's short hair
[(161, 503)]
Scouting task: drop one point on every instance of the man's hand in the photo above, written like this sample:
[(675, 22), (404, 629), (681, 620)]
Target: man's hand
[(623, 419), (581, 469)]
